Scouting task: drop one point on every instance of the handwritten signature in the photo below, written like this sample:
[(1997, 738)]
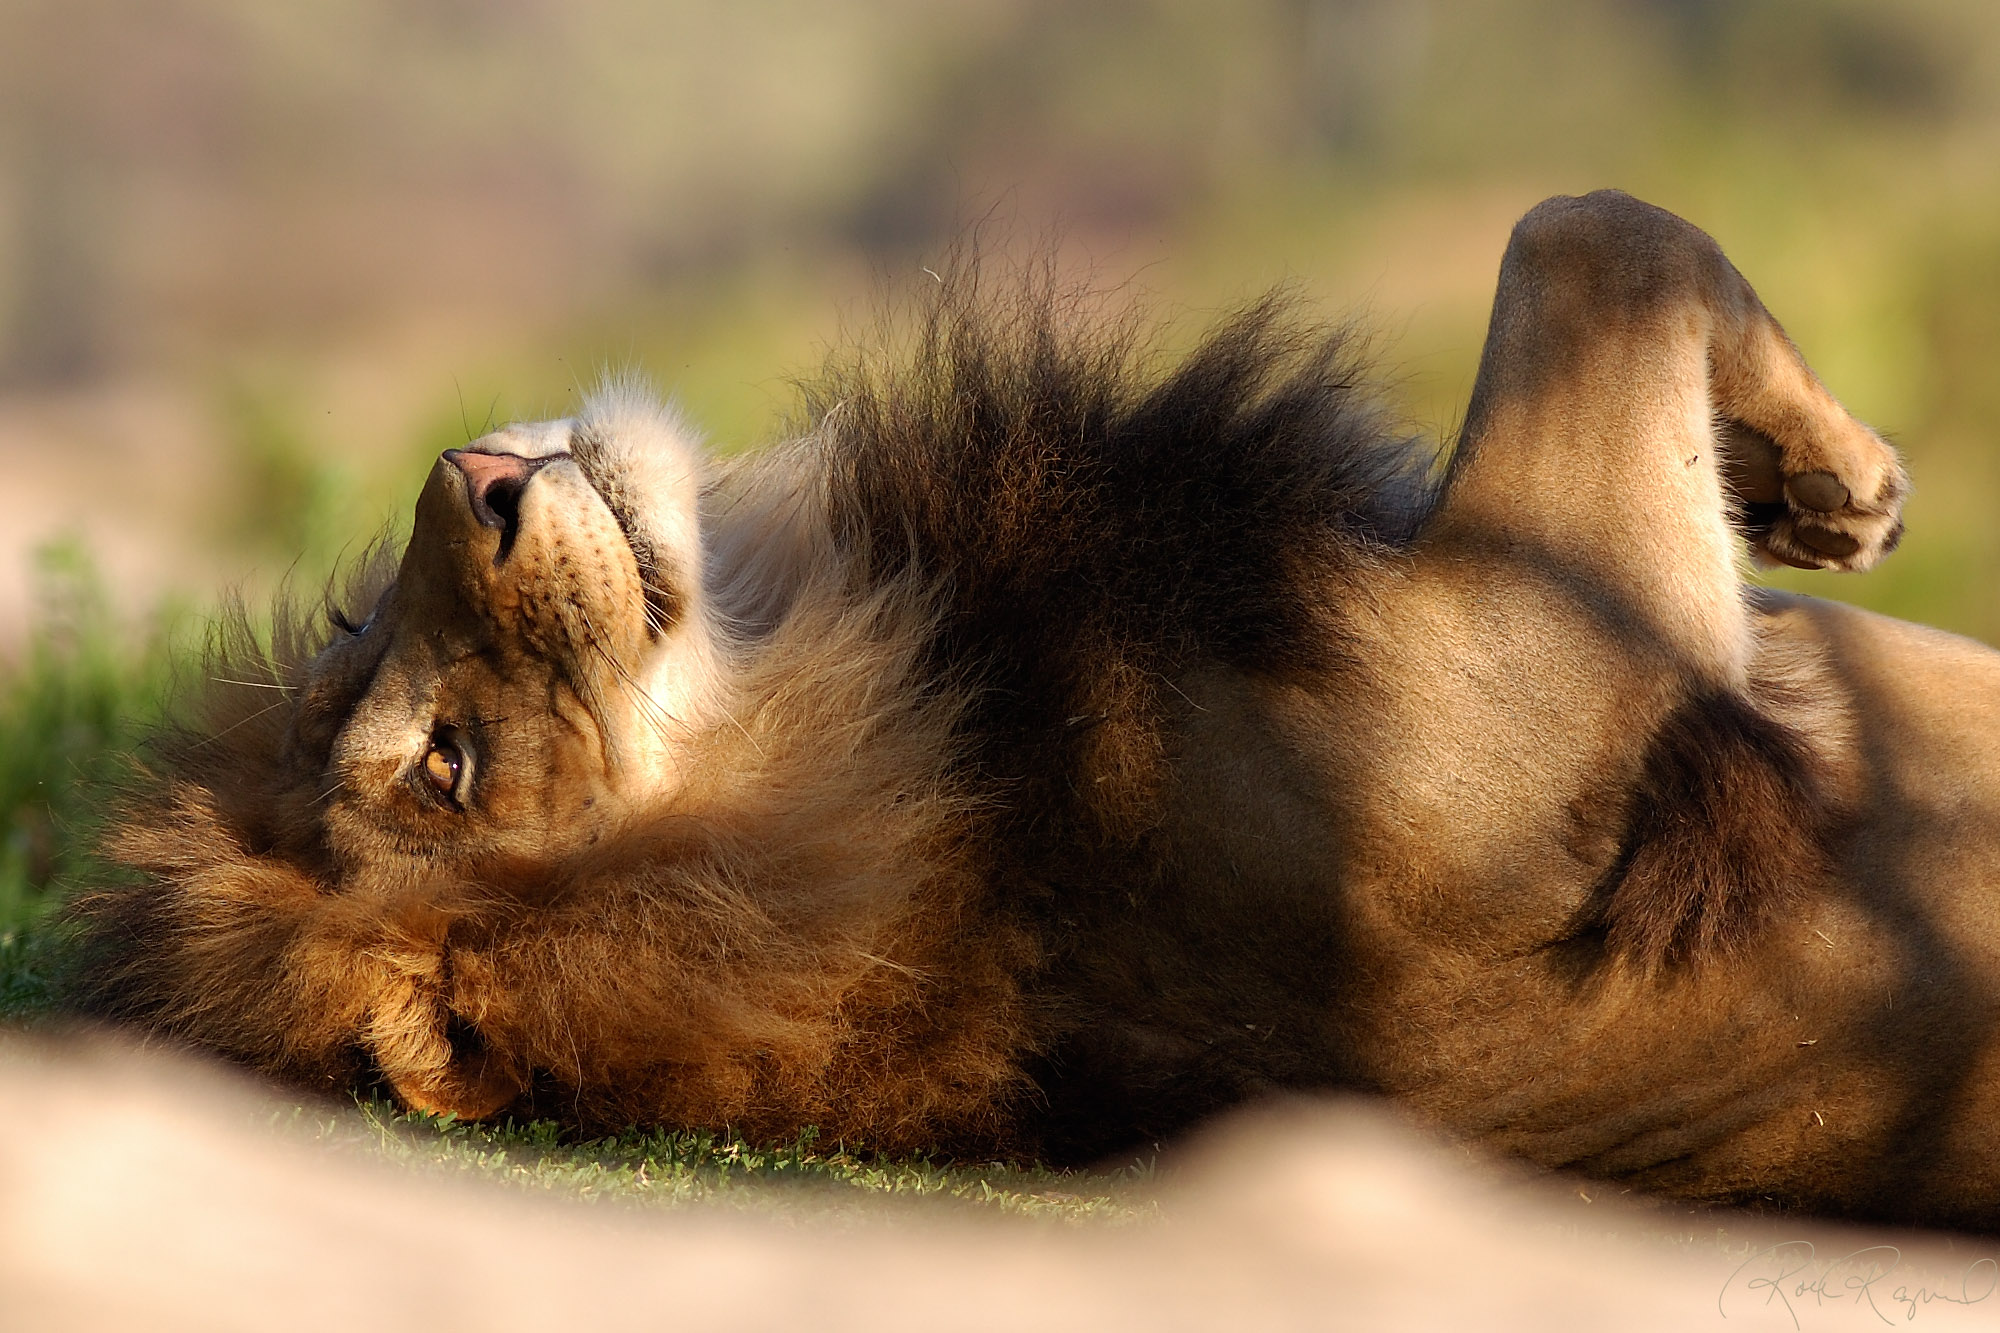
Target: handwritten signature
[(1793, 1275)]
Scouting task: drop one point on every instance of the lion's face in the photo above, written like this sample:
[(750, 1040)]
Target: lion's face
[(512, 698), (522, 683), (455, 778)]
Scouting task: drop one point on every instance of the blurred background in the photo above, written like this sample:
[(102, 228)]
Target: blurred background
[(258, 262)]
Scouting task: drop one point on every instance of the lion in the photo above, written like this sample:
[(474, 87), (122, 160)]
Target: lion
[(1050, 747)]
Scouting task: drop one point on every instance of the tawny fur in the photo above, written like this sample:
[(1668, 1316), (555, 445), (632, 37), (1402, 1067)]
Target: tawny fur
[(1056, 743), (944, 651), (794, 939)]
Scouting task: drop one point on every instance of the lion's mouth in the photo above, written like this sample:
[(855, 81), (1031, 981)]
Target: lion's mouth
[(660, 605), (659, 601)]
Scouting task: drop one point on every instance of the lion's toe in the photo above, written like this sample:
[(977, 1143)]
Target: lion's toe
[(1821, 492)]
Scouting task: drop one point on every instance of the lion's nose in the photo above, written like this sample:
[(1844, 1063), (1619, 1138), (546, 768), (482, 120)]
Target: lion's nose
[(493, 486)]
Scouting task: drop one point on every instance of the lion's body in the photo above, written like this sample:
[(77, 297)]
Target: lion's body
[(1039, 755)]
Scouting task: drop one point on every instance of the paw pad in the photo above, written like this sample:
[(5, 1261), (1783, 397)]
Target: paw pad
[(1826, 541), (1822, 493), (1825, 503)]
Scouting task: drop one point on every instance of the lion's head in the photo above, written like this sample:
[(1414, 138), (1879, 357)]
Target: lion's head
[(536, 670), (522, 689), (538, 817)]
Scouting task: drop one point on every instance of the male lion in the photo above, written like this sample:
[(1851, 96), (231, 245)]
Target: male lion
[(1043, 751)]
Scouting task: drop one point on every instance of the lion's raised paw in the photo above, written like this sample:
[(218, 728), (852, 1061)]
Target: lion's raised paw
[(1819, 507)]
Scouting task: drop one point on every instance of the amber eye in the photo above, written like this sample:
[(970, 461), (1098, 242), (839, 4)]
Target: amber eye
[(443, 765)]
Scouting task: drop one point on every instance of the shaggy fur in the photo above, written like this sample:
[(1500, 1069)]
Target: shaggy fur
[(945, 742), (1057, 742), (757, 953)]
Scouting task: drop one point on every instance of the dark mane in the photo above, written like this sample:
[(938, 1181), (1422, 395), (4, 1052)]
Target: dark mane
[(1102, 520), (1101, 517)]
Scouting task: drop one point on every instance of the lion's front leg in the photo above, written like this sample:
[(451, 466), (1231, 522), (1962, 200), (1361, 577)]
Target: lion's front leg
[(1633, 397)]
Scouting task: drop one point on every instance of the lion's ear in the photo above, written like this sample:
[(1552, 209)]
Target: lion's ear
[(437, 1062), (472, 1090)]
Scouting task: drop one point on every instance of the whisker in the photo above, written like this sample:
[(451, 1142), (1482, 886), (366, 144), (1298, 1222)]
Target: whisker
[(239, 722), (651, 607), (746, 733), (639, 692), (661, 716), (253, 684), (892, 965)]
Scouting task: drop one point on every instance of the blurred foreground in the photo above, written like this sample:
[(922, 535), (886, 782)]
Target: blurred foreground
[(137, 1192)]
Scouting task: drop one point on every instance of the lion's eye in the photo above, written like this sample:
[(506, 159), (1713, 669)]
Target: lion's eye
[(444, 766)]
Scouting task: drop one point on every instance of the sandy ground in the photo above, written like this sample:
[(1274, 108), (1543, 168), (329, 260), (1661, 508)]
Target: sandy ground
[(142, 1193)]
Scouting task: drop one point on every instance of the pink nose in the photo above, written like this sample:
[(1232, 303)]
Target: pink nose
[(493, 485)]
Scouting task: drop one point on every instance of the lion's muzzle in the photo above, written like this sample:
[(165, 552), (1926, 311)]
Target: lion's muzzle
[(493, 486)]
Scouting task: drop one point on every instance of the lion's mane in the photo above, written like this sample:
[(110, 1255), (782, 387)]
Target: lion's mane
[(1022, 526)]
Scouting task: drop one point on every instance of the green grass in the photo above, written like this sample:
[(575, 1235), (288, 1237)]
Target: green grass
[(73, 703), (681, 1167), (71, 708)]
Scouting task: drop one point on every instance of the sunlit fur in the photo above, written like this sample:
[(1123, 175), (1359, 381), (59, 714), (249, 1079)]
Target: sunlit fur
[(916, 640), (1057, 740), (914, 724)]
